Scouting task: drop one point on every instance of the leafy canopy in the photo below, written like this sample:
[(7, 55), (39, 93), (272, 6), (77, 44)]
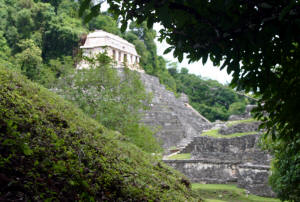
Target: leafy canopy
[(212, 99), (258, 42)]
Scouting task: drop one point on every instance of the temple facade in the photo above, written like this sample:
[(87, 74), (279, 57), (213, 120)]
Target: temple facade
[(120, 50)]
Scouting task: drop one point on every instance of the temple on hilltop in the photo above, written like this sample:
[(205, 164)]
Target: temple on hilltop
[(120, 50)]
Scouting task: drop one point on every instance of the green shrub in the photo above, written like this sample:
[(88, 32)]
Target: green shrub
[(115, 100), (50, 150)]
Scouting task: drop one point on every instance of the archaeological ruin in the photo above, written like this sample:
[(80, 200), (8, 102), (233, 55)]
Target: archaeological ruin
[(231, 155), (120, 50), (226, 159)]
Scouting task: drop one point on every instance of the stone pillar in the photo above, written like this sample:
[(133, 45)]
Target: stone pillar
[(128, 59), (86, 52), (99, 50), (122, 57), (117, 56)]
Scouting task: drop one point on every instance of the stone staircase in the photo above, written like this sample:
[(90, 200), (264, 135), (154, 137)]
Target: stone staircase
[(176, 121), (184, 143), (236, 159)]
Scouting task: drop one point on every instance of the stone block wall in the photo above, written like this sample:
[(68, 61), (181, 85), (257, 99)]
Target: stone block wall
[(240, 128), (244, 149), (175, 120), (206, 171), (254, 178), (214, 160), (227, 160)]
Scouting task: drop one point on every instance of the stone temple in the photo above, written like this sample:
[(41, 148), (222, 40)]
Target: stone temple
[(181, 129), (116, 47), (175, 121)]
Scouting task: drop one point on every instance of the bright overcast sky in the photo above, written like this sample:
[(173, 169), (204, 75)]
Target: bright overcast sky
[(207, 71)]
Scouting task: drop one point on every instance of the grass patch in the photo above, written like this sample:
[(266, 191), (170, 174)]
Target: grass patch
[(232, 123), (213, 200), (215, 134), (173, 148), (227, 193), (180, 156)]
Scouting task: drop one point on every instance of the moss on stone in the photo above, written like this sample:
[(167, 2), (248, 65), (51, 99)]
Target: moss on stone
[(215, 134), (233, 123), (50, 150), (180, 156)]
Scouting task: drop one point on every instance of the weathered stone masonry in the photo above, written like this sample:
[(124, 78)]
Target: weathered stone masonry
[(207, 170), (175, 119), (253, 178), (244, 149), (227, 160), (222, 160), (214, 160)]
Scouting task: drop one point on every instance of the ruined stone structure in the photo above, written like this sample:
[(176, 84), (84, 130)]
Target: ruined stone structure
[(213, 160), (207, 170), (253, 178), (228, 160), (120, 50), (241, 149), (176, 121), (179, 128), (245, 115), (240, 128)]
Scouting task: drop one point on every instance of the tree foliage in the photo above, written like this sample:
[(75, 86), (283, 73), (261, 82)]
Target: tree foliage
[(41, 39), (52, 151), (30, 58), (26, 19), (114, 99), (53, 32), (257, 41), (212, 99)]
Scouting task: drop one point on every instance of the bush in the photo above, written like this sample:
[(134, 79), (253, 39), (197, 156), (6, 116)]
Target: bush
[(50, 150), (114, 99)]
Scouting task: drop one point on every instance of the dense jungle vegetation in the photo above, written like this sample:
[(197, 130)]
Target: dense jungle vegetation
[(49, 145), (52, 151), (257, 42), (42, 39)]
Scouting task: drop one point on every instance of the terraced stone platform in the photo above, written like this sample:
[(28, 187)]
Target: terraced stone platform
[(176, 121)]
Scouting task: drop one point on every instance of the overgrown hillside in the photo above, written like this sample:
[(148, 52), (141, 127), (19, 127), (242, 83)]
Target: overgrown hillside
[(52, 151), (212, 99), (41, 38)]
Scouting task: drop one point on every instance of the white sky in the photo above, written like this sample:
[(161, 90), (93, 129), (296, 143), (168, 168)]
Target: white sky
[(206, 71)]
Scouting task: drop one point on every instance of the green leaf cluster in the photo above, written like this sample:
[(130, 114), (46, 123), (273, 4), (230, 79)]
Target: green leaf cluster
[(114, 98), (34, 34)]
